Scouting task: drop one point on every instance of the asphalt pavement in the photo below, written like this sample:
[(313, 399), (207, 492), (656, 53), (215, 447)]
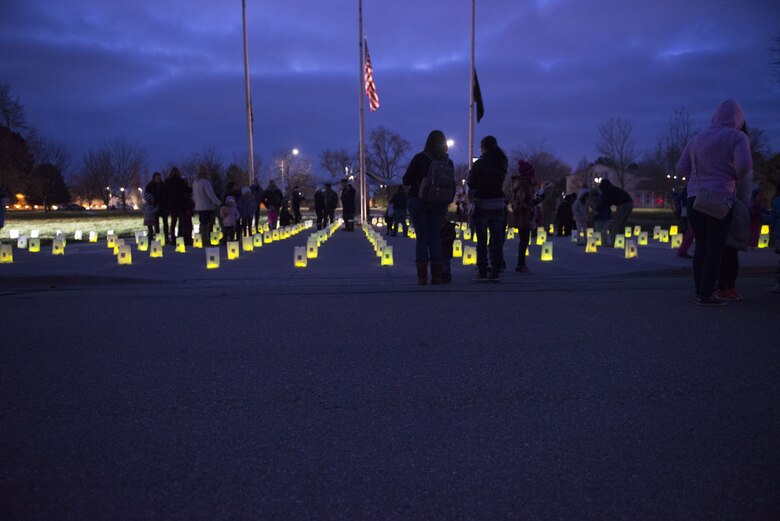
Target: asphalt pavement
[(591, 388)]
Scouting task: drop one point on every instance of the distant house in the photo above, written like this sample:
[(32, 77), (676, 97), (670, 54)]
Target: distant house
[(644, 190)]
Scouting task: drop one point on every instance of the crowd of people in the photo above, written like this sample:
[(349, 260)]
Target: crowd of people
[(171, 203), (717, 163)]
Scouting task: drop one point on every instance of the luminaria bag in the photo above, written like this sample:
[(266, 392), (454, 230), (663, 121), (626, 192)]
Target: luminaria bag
[(438, 185)]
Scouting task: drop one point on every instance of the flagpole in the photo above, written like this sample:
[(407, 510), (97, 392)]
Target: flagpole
[(361, 151), (249, 123), (471, 89)]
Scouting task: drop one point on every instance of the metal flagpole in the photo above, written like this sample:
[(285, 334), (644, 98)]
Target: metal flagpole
[(361, 151), (471, 89), (249, 117)]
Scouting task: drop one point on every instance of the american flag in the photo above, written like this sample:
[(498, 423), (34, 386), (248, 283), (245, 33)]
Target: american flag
[(373, 97)]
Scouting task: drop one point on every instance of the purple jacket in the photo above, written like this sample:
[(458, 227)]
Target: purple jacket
[(715, 158)]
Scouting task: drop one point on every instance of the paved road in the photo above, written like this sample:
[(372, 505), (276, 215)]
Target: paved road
[(556, 396)]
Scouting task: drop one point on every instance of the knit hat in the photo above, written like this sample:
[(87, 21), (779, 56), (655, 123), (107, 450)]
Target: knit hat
[(526, 169), (244, 190), (230, 199)]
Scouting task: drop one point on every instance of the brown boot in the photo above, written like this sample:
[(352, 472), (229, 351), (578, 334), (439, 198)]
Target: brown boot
[(422, 273), (436, 271)]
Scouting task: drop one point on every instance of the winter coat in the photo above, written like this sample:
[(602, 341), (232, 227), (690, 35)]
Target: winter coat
[(523, 200), (160, 199), (611, 195), (177, 195), (273, 197), (319, 201), (399, 202), (331, 200), (486, 178), (348, 199), (229, 216), (204, 196), (247, 206), (418, 169), (715, 158), (580, 211)]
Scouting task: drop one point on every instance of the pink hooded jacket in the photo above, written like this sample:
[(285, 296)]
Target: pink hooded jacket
[(715, 158)]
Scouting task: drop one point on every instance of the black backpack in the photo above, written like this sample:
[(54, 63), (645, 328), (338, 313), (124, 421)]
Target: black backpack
[(438, 185)]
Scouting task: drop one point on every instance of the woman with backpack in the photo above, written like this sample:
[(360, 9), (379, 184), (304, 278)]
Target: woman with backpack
[(426, 208), (486, 192)]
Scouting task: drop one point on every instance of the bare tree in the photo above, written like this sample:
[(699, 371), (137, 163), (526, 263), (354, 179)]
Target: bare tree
[(547, 166), (616, 144), (45, 151), (337, 162), (670, 144), (291, 169), (386, 153), (96, 176), (127, 163), (775, 65), (11, 110)]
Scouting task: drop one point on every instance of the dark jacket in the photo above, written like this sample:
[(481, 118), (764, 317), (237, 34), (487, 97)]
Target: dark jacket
[(297, 197), (178, 194), (273, 197), (611, 196), (398, 201), (319, 201), (331, 200), (258, 193), (418, 169), (348, 199), (486, 179), (160, 199)]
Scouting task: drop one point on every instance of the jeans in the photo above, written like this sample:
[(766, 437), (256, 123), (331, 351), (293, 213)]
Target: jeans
[(493, 220), (399, 218), (710, 236), (524, 237), (427, 219), (206, 219), (729, 268)]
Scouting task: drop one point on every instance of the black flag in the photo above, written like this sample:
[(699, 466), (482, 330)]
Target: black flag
[(478, 98)]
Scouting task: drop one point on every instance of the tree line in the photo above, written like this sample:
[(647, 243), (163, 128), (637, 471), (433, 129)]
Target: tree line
[(113, 171)]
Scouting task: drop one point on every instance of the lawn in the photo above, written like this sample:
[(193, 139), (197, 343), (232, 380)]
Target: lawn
[(48, 223)]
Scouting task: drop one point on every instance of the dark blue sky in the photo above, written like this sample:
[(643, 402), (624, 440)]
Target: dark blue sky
[(168, 75)]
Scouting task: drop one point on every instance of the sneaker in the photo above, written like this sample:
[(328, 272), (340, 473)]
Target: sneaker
[(709, 301), (728, 295), (522, 269), (736, 295)]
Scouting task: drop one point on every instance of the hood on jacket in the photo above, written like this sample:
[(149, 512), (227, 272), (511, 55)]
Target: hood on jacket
[(729, 114)]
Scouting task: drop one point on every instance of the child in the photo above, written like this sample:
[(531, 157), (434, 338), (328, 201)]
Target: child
[(447, 240), (285, 217), (229, 215), (149, 210)]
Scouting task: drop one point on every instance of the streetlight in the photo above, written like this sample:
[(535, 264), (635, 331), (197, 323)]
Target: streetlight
[(450, 143)]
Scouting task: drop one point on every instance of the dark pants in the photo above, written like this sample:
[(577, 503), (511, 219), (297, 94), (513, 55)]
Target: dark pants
[(164, 218), (524, 237), (399, 218), (257, 217), (427, 219), (296, 214), (330, 217), (710, 235), (186, 227), (206, 220), (493, 220), (349, 220), (175, 219), (244, 228), (729, 268), (320, 217)]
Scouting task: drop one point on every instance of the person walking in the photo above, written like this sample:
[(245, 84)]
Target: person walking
[(523, 200), (348, 205), (331, 201), (177, 195), (206, 201), (426, 215), (485, 182), (713, 161), (156, 187), (611, 195), (319, 206), (399, 204)]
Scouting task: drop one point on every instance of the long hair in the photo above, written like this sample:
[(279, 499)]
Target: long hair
[(436, 144), (490, 145)]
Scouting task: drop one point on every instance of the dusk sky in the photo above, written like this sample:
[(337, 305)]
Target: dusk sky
[(168, 75)]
